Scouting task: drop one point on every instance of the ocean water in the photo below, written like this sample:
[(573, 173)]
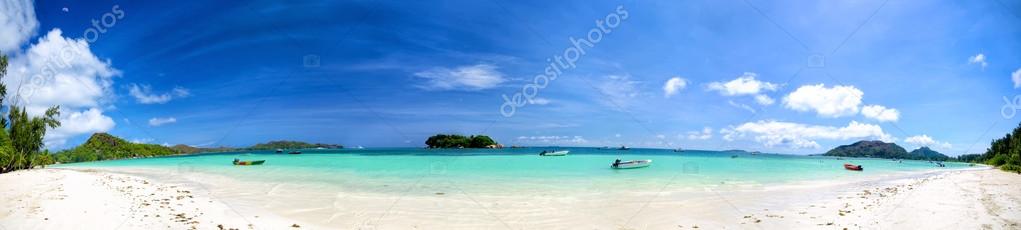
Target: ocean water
[(515, 171)]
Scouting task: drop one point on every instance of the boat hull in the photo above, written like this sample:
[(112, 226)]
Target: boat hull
[(632, 164), (555, 154), (258, 162), (853, 167)]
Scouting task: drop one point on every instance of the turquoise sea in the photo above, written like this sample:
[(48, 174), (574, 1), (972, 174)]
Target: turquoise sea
[(499, 171)]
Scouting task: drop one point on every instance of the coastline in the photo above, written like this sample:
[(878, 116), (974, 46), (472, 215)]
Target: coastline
[(64, 198)]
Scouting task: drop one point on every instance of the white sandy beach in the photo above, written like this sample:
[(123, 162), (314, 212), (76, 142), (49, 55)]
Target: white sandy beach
[(89, 199)]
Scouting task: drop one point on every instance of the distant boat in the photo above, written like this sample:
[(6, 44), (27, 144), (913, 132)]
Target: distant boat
[(258, 162), (623, 148), (678, 150), (630, 164), (359, 147), (554, 153), (853, 167), (320, 148), (280, 151), (294, 152)]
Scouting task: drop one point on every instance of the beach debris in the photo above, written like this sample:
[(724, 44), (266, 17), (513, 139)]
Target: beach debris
[(440, 193), (295, 226)]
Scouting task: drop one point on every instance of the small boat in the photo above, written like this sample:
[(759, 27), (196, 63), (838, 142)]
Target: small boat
[(623, 148), (294, 152), (678, 150), (258, 162), (853, 167), (630, 164), (280, 151), (554, 153)]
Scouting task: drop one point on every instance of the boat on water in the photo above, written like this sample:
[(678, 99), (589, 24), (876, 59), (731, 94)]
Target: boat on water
[(554, 153), (240, 162), (853, 167), (630, 164), (280, 151), (677, 150), (623, 148), (294, 152)]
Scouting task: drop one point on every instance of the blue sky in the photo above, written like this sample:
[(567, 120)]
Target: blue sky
[(787, 77)]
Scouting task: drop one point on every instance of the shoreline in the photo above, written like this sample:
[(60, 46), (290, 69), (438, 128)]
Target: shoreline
[(63, 198)]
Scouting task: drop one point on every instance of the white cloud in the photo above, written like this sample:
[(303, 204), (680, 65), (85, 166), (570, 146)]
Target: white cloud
[(59, 71), (705, 134), (476, 77), (143, 94), (978, 59), (553, 139), (77, 123), (880, 113), (743, 85), (741, 106), (837, 101), (62, 71), (926, 141), (762, 99), (618, 91), (141, 140), (539, 101), (674, 85), (1016, 77), (794, 135), (17, 24), (158, 121)]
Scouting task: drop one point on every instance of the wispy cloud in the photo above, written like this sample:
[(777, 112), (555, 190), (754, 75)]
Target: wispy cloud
[(469, 78), (143, 94), (158, 121)]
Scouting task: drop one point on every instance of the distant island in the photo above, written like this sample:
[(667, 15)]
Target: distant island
[(459, 141), (103, 146), (879, 149)]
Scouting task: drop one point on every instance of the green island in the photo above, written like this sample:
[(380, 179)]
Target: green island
[(879, 149), (459, 141)]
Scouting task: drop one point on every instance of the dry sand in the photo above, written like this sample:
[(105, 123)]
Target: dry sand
[(88, 199)]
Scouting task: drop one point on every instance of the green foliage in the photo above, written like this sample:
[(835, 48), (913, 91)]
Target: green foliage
[(102, 146), (458, 141), (292, 145), (21, 137), (879, 149), (972, 158), (1005, 152)]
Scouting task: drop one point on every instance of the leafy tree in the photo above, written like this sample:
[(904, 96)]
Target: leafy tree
[(1005, 152), (21, 137), (458, 141)]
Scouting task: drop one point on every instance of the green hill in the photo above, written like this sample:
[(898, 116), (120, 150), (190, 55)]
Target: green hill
[(924, 153), (103, 146), (879, 149)]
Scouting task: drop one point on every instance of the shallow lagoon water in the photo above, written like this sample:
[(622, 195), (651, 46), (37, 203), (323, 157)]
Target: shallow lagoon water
[(509, 171)]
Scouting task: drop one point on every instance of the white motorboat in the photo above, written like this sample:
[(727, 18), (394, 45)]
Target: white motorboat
[(555, 153), (631, 164)]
